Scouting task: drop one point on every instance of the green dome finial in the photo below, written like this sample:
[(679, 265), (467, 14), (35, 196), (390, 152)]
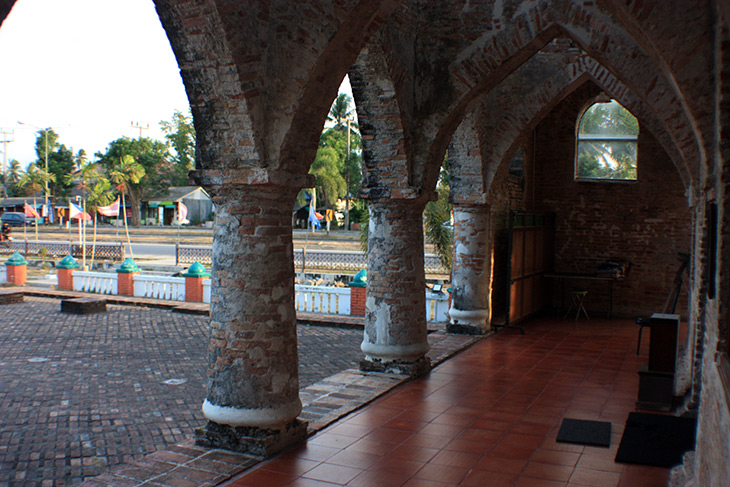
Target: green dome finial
[(68, 262), (360, 279), (128, 267), (196, 270), (16, 259)]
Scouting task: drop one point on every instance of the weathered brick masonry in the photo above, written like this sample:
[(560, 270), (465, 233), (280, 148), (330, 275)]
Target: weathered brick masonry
[(646, 222), (261, 76)]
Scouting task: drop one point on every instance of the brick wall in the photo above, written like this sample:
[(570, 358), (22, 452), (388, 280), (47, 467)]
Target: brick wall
[(646, 222)]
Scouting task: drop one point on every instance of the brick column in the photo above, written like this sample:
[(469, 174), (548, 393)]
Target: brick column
[(395, 336), (194, 282), (472, 271), (253, 381), (17, 269), (66, 269), (125, 277)]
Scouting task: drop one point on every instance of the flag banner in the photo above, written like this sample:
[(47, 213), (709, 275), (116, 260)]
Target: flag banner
[(30, 211), (111, 210), (76, 212), (182, 212), (313, 217)]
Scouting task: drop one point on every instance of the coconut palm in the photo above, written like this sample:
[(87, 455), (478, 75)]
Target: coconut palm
[(124, 174), (98, 194), (33, 180), (341, 110)]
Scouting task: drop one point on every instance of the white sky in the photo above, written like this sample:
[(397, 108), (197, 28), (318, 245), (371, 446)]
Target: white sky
[(87, 69)]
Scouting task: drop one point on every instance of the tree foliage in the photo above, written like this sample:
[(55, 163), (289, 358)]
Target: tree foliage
[(180, 135), (34, 179), (437, 220), (61, 161)]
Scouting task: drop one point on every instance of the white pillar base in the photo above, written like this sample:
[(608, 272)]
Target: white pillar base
[(468, 322), (394, 353), (260, 417)]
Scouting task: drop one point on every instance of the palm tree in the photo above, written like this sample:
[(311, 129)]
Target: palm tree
[(98, 194), (123, 175), (327, 176), (437, 220), (34, 180), (13, 175), (341, 110)]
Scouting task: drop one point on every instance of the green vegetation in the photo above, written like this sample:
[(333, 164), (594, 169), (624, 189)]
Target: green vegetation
[(607, 147)]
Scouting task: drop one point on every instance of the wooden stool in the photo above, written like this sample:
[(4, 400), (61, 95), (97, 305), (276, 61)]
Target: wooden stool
[(576, 302)]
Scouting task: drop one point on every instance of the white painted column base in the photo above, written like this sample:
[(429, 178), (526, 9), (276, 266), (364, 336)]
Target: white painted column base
[(469, 317), (393, 353), (260, 417)]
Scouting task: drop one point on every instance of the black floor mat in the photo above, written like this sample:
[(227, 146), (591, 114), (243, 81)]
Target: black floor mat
[(655, 439), (582, 432)]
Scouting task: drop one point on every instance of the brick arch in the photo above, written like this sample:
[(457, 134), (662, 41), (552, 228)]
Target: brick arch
[(513, 109), (491, 58), (387, 152), (5, 7), (261, 79)]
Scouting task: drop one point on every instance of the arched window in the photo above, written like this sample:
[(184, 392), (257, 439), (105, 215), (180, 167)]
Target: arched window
[(607, 143)]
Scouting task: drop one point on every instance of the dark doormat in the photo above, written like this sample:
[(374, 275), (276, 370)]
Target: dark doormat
[(655, 439), (582, 432)]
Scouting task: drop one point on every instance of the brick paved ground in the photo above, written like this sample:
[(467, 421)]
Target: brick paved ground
[(80, 393)]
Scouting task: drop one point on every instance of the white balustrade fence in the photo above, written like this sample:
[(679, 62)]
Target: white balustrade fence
[(95, 282), (3, 274), (322, 299), (206, 290), (159, 287), (308, 299)]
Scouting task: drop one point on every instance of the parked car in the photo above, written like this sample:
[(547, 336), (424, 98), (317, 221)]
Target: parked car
[(17, 219)]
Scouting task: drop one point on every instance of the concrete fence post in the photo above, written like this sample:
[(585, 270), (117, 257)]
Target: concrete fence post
[(194, 282), (125, 279), (66, 269), (358, 293), (17, 269)]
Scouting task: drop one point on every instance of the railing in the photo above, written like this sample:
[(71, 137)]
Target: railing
[(105, 251), (159, 287), (206, 290), (95, 282), (3, 274), (309, 299), (322, 299), (185, 254), (311, 259)]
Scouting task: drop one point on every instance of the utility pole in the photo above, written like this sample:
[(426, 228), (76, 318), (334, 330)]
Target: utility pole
[(347, 176), (5, 142), (138, 125)]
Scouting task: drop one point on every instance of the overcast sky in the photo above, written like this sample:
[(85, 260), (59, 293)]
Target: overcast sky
[(88, 69)]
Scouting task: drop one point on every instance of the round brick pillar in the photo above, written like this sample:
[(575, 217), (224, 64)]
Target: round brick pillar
[(253, 388), (472, 271), (395, 335)]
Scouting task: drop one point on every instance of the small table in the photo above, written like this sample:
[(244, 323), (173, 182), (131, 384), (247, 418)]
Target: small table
[(590, 277)]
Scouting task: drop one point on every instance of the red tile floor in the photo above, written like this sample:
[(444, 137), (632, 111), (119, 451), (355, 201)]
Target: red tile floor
[(486, 417)]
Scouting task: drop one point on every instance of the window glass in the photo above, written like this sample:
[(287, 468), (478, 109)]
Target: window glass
[(607, 143)]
